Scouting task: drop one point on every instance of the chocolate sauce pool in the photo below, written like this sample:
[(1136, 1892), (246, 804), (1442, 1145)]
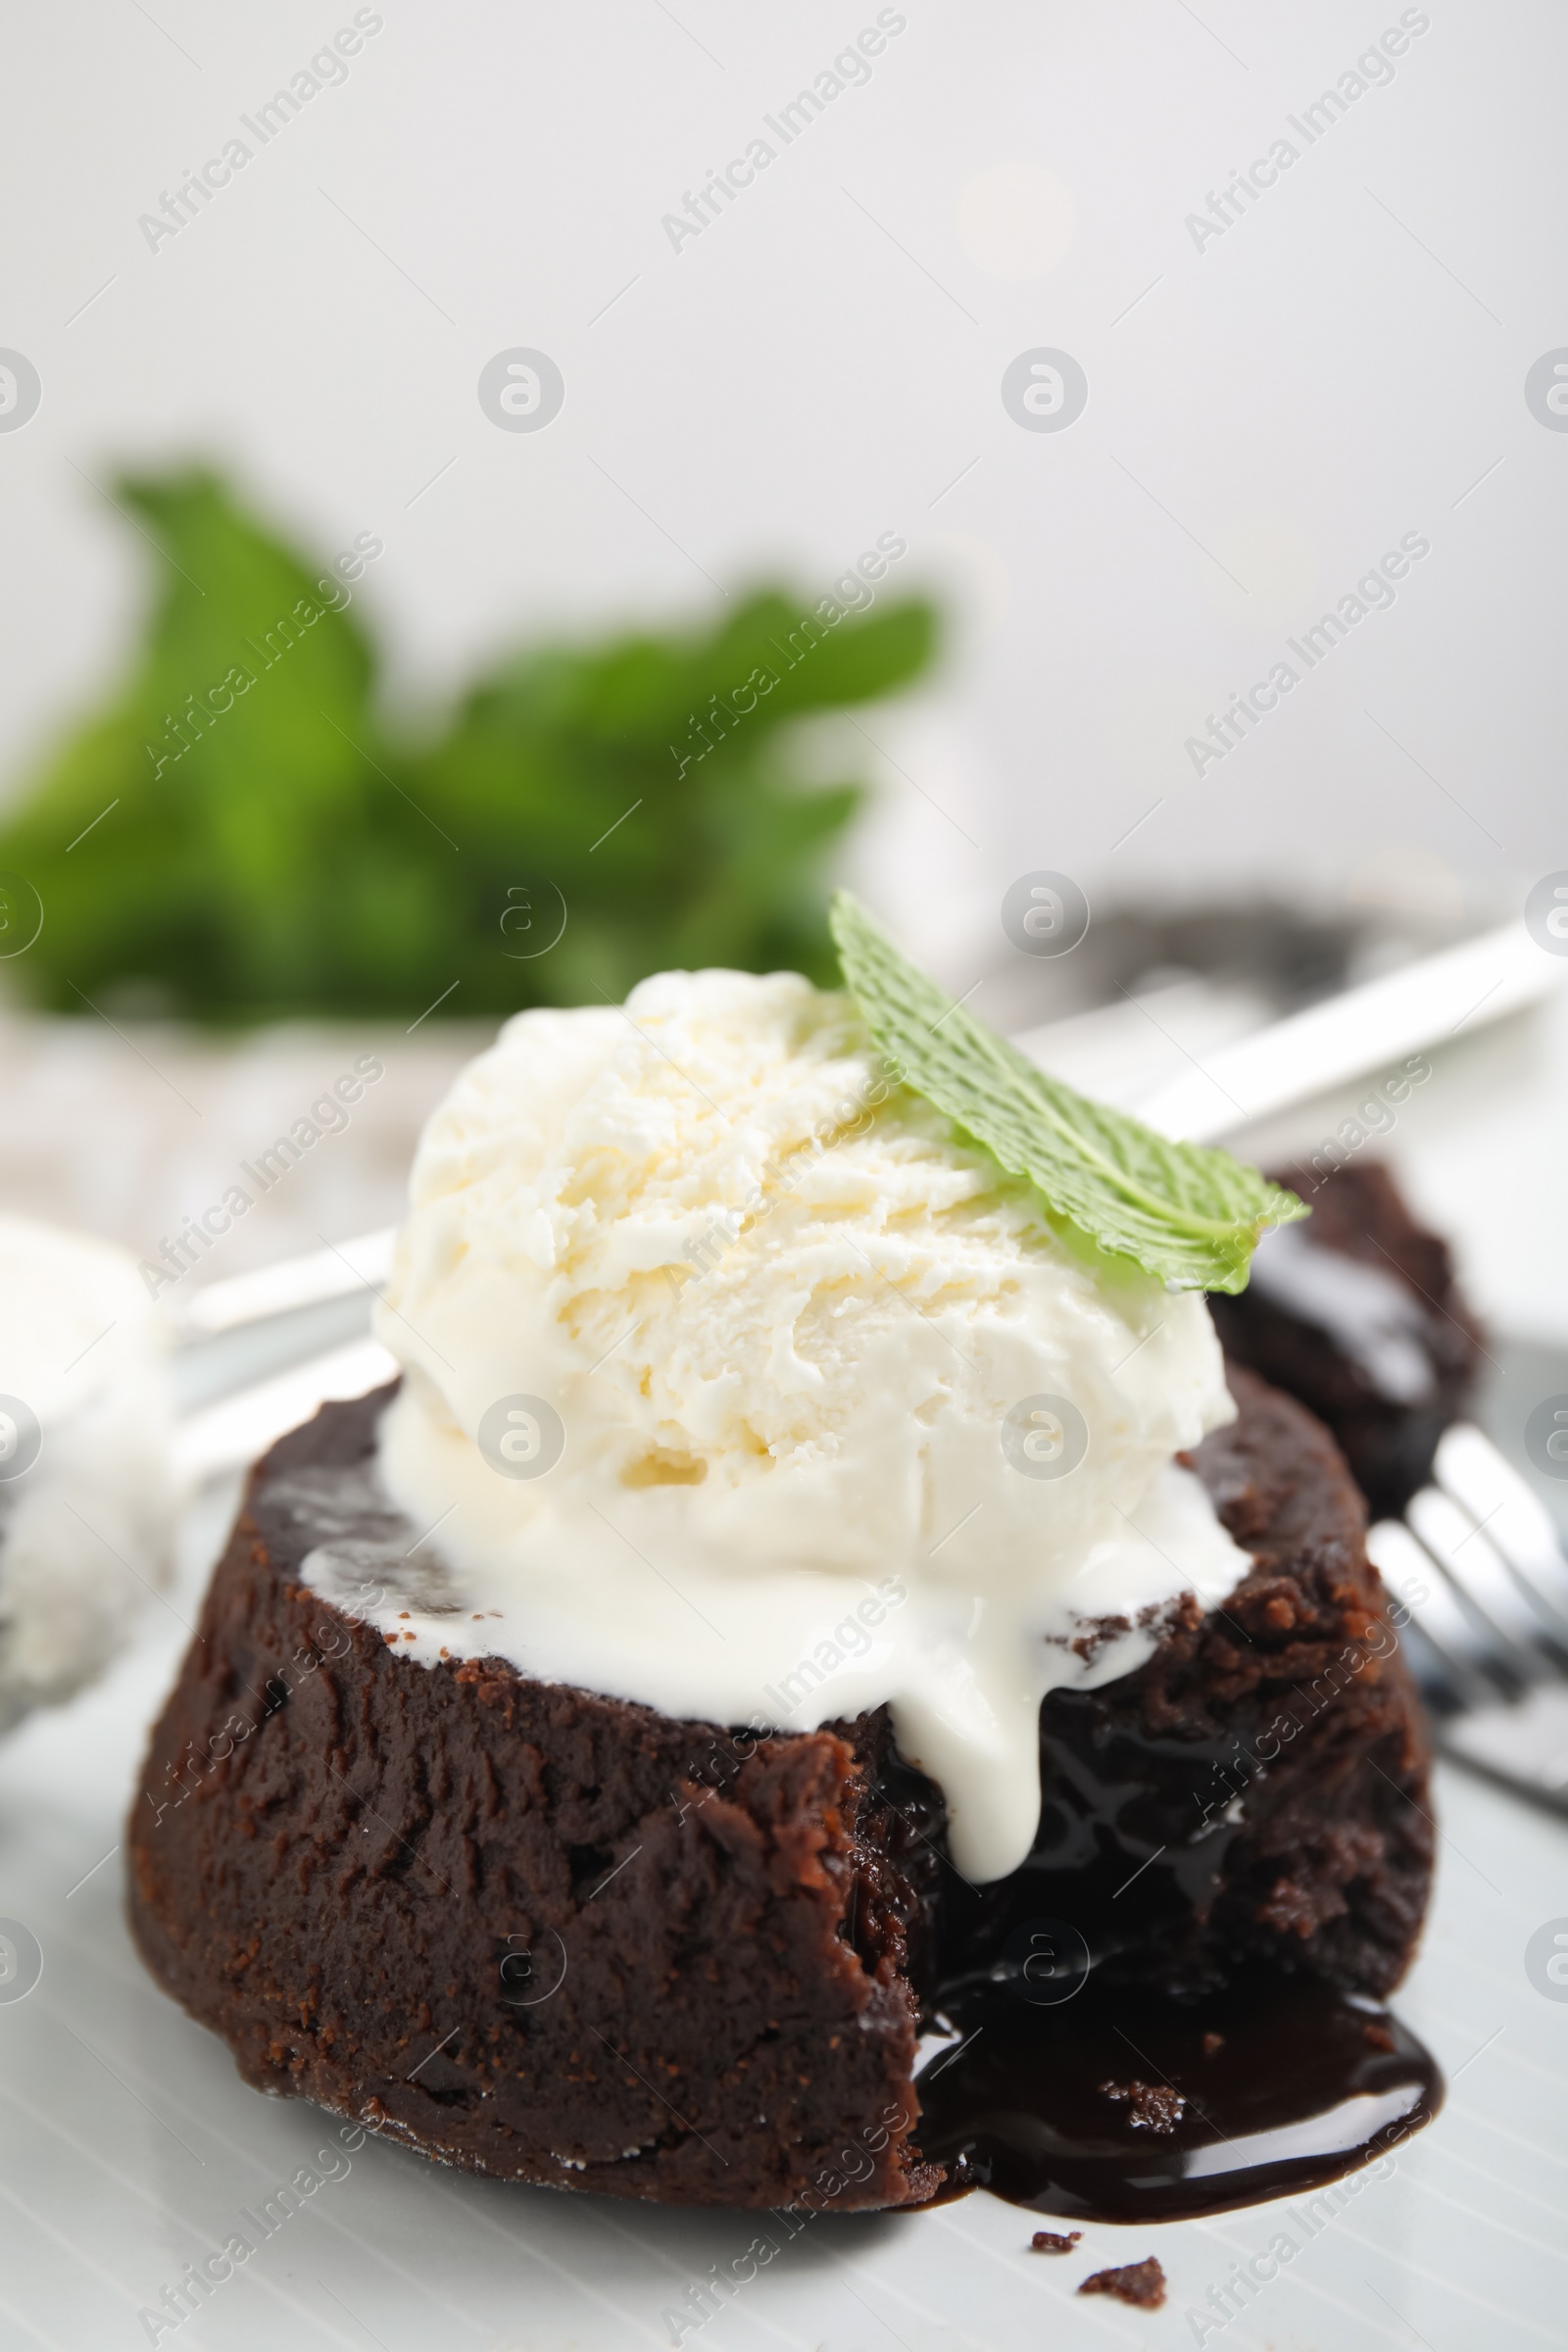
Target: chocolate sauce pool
[(1116, 2105)]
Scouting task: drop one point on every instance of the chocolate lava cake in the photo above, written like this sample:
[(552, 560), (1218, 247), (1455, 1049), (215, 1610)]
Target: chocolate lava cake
[(1358, 1314), (561, 1938)]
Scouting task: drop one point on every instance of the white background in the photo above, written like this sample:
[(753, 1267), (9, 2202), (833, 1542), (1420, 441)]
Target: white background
[(1343, 366)]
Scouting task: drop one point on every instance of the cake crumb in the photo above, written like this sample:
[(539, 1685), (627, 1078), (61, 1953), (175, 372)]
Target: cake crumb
[(1054, 2241), (1150, 2106), (1377, 2035), (1139, 2282), (1212, 2043)]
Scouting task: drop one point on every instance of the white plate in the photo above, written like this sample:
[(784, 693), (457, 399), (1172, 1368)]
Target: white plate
[(130, 2147)]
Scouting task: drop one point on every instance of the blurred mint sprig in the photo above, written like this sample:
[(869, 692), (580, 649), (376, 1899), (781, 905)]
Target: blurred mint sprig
[(278, 845)]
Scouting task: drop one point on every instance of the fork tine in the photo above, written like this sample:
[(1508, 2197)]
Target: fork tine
[(1469, 1467), (1475, 1569), (1415, 1579)]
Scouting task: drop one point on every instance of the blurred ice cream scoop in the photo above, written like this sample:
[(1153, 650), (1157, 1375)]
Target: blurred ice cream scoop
[(87, 1498)]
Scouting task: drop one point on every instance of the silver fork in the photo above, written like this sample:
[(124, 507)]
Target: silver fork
[(1478, 1563), (1488, 1637)]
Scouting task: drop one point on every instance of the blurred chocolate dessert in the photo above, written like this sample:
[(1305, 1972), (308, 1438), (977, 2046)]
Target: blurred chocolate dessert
[(1358, 1314)]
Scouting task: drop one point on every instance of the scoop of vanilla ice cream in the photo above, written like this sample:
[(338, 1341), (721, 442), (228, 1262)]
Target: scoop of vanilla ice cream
[(87, 1498), (712, 1335)]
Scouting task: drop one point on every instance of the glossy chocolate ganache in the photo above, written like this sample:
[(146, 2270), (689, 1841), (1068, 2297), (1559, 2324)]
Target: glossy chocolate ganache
[(1175, 2006), (1122, 2105)]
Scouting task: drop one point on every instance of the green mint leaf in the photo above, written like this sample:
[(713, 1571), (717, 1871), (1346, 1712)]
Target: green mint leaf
[(1186, 1214)]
